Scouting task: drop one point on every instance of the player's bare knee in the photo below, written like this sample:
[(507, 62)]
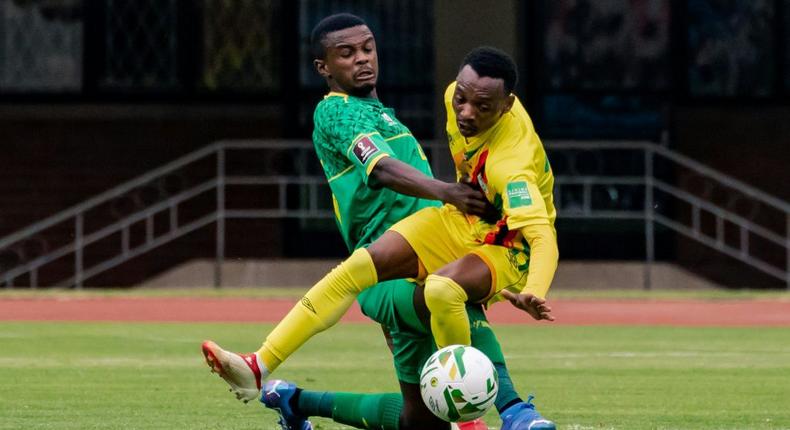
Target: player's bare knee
[(471, 273), (393, 257)]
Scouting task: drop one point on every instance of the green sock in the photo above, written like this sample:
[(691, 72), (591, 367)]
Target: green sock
[(368, 411), (314, 403), (507, 395), (483, 338)]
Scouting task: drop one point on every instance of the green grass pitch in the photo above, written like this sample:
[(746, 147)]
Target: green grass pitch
[(151, 376)]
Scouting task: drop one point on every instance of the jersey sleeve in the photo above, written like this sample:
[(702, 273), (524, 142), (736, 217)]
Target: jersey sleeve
[(351, 131), (448, 106)]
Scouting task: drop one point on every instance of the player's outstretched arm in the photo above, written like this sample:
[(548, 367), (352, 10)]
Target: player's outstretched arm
[(543, 258), (405, 179)]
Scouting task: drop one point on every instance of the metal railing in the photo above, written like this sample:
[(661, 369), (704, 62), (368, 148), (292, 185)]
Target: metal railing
[(636, 185), (689, 223)]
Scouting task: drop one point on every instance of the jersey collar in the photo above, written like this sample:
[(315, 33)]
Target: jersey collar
[(347, 96)]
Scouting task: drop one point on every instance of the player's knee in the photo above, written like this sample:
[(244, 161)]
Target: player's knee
[(442, 294), (393, 257)]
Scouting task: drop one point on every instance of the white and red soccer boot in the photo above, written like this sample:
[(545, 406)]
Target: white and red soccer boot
[(240, 371)]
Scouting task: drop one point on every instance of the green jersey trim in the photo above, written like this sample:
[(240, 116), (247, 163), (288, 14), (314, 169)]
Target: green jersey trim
[(397, 136), (346, 170)]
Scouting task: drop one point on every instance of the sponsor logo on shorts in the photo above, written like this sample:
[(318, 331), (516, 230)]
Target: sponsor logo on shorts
[(364, 149), (309, 305), (518, 194)]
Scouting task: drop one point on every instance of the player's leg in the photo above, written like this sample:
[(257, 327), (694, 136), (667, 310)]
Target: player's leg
[(484, 339), (389, 257), (476, 277), (410, 341), (392, 305), (381, 411), (400, 305), (447, 291), (415, 415), (443, 241), (388, 411), (319, 309), (294, 405), (480, 284), (392, 256)]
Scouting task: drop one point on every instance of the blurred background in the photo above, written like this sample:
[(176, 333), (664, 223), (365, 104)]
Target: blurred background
[(166, 142)]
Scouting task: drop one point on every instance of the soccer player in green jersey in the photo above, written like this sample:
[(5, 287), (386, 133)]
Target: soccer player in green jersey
[(378, 175)]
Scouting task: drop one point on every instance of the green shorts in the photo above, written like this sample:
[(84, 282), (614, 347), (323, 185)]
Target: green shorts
[(391, 304)]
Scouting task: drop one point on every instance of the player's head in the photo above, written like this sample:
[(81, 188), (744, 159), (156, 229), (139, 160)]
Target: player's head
[(344, 52), (484, 90)]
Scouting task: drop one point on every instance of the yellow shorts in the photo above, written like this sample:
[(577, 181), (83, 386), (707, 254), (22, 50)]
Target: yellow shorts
[(441, 235)]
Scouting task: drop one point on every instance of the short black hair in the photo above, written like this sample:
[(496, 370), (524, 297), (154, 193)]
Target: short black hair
[(338, 21), (493, 63)]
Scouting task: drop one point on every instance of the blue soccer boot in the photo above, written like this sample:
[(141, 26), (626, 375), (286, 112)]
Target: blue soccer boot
[(523, 416), (277, 394)]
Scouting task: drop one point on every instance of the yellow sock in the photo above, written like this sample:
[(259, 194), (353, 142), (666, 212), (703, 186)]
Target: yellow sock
[(447, 302), (320, 308)]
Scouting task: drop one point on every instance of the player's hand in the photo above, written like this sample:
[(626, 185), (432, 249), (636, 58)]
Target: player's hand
[(465, 198), (531, 304)]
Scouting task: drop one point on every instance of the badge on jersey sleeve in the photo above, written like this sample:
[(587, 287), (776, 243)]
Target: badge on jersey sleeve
[(364, 149), (518, 194)]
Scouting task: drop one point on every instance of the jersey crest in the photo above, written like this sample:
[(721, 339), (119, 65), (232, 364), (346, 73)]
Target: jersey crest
[(388, 118)]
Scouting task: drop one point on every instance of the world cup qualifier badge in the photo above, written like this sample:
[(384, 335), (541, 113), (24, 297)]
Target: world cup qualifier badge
[(364, 149)]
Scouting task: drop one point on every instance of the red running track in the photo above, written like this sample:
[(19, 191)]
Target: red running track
[(721, 313)]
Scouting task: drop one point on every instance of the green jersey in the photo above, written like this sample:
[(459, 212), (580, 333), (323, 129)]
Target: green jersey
[(351, 135)]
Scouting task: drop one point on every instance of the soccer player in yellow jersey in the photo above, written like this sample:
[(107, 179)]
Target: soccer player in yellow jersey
[(461, 258)]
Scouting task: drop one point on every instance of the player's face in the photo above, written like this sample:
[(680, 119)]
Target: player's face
[(351, 64), (479, 102)]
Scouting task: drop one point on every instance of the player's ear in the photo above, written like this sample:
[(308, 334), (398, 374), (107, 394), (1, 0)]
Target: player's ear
[(509, 100), (320, 67)]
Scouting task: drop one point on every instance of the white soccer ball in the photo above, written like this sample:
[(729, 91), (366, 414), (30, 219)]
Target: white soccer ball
[(459, 383)]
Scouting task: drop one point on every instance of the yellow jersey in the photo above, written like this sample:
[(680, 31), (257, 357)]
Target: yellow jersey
[(509, 164)]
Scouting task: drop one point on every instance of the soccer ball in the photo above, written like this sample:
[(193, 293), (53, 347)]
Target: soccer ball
[(458, 383)]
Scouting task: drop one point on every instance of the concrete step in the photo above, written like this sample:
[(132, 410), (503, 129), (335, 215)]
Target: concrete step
[(593, 275)]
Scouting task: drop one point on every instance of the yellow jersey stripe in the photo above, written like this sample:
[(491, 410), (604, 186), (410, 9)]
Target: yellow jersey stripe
[(337, 94), (336, 207), (346, 170), (397, 136), (374, 161)]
